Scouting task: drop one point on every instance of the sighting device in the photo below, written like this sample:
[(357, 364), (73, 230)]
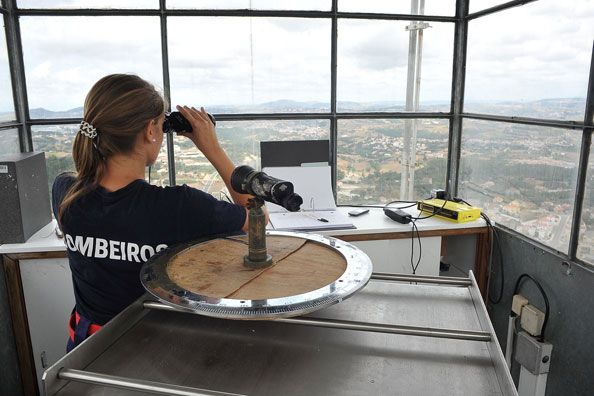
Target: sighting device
[(246, 180), (176, 122)]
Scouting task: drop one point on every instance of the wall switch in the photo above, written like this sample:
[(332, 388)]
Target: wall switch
[(517, 303), (532, 319)]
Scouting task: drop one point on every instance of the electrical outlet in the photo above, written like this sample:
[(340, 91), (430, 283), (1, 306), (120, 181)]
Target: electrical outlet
[(532, 319), (517, 303)]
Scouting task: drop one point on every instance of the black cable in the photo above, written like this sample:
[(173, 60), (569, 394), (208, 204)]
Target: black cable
[(149, 175), (497, 243), (544, 295), (412, 248)]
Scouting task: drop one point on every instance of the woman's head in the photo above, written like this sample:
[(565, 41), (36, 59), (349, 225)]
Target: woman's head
[(120, 107), (127, 114)]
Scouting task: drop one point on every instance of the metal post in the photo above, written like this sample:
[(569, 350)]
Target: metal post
[(17, 74), (407, 149), (257, 256), (333, 119), (458, 80), (583, 164), (167, 89), (413, 91)]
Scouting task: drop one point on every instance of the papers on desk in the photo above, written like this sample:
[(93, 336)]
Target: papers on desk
[(318, 211)]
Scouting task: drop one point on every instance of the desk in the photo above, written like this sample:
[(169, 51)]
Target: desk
[(40, 290)]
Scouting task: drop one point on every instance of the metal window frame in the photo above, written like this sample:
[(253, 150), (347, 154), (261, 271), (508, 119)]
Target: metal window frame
[(11, 14), (586, 127), (333, 15)]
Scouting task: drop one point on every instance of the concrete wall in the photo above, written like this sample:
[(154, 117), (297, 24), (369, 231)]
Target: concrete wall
[(571, 322)]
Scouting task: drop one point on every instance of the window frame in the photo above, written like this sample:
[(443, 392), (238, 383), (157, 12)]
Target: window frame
[(456, 115)]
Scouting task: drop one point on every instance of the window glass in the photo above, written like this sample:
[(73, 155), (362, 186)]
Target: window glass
[(371, 163), (244, 65), (65, 56), (9, 141), (539, 68), (478, 5), (241, 140), (373, 63), (432, 7), (158, 173), (314, 5), (6, 99), (586, 240), (522, 176), (56, 142), (88, 4)]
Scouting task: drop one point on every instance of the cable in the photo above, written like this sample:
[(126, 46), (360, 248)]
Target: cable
[(149, 175), (412, 247), (544, 295), (495, 242)]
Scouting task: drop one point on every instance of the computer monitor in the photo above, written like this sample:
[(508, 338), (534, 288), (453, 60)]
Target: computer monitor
[(294, 153)]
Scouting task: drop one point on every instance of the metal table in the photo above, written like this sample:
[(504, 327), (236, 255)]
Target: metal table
[(431, 337)]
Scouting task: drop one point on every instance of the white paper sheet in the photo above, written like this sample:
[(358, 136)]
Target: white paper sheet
[(305, 221), (314, 185)]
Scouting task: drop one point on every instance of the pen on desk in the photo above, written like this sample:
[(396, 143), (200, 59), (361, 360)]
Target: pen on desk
[(323, 219)]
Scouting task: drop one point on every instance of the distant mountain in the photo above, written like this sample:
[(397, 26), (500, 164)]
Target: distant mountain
[(562, 108), (44, 113)]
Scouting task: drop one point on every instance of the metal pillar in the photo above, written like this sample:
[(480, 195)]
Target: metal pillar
[(413, 85), (458, 80)]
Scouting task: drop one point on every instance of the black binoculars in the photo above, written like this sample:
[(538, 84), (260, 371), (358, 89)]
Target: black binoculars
[(246, 180), (176, 122)]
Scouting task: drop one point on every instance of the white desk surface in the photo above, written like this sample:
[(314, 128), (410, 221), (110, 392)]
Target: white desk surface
[(374, 222)]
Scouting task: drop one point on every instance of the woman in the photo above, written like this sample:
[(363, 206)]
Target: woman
[(112, 220)]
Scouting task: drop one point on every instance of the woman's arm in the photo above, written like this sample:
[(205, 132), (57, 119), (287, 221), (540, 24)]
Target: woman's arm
[(205, 138)]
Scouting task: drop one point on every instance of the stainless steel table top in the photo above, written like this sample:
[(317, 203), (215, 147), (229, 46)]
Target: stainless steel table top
[(268, 358)]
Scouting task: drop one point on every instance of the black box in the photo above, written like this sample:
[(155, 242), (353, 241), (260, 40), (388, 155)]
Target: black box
[(24, 196)]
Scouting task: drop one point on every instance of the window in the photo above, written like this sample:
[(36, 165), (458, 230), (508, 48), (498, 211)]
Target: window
[(586, 240), (56, 142), (432, 7), (371, 163), (515, 67), (241, 140), (309, 5), (479, 5), (65, 56), (373, 64), (6, 99), (88, 4), (522, 176), (250, 65), (9, 141)]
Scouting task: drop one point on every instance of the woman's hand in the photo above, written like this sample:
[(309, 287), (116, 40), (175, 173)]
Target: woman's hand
[(203, 130)]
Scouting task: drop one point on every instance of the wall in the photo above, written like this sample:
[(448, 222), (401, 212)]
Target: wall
[(571, 321)]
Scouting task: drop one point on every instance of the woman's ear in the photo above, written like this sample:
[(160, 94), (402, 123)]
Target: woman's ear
[(150, 132)]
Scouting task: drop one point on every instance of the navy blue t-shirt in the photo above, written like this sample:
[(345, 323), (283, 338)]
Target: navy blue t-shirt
[(109, 235)]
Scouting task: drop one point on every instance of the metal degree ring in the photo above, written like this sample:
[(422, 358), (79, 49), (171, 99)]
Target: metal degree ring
[(356, 275)]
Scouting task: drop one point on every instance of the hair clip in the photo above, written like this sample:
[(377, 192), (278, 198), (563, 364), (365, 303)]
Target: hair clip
[(88, 130)]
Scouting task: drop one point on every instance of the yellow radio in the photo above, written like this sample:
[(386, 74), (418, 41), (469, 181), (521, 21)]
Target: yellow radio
[(453, 211)]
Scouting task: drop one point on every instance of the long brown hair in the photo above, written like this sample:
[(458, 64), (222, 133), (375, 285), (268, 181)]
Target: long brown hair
[(119, 106)]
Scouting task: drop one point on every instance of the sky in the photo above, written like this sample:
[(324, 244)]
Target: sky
[(540, 50)]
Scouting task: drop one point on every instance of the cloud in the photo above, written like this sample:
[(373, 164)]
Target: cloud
[(538, 50)]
